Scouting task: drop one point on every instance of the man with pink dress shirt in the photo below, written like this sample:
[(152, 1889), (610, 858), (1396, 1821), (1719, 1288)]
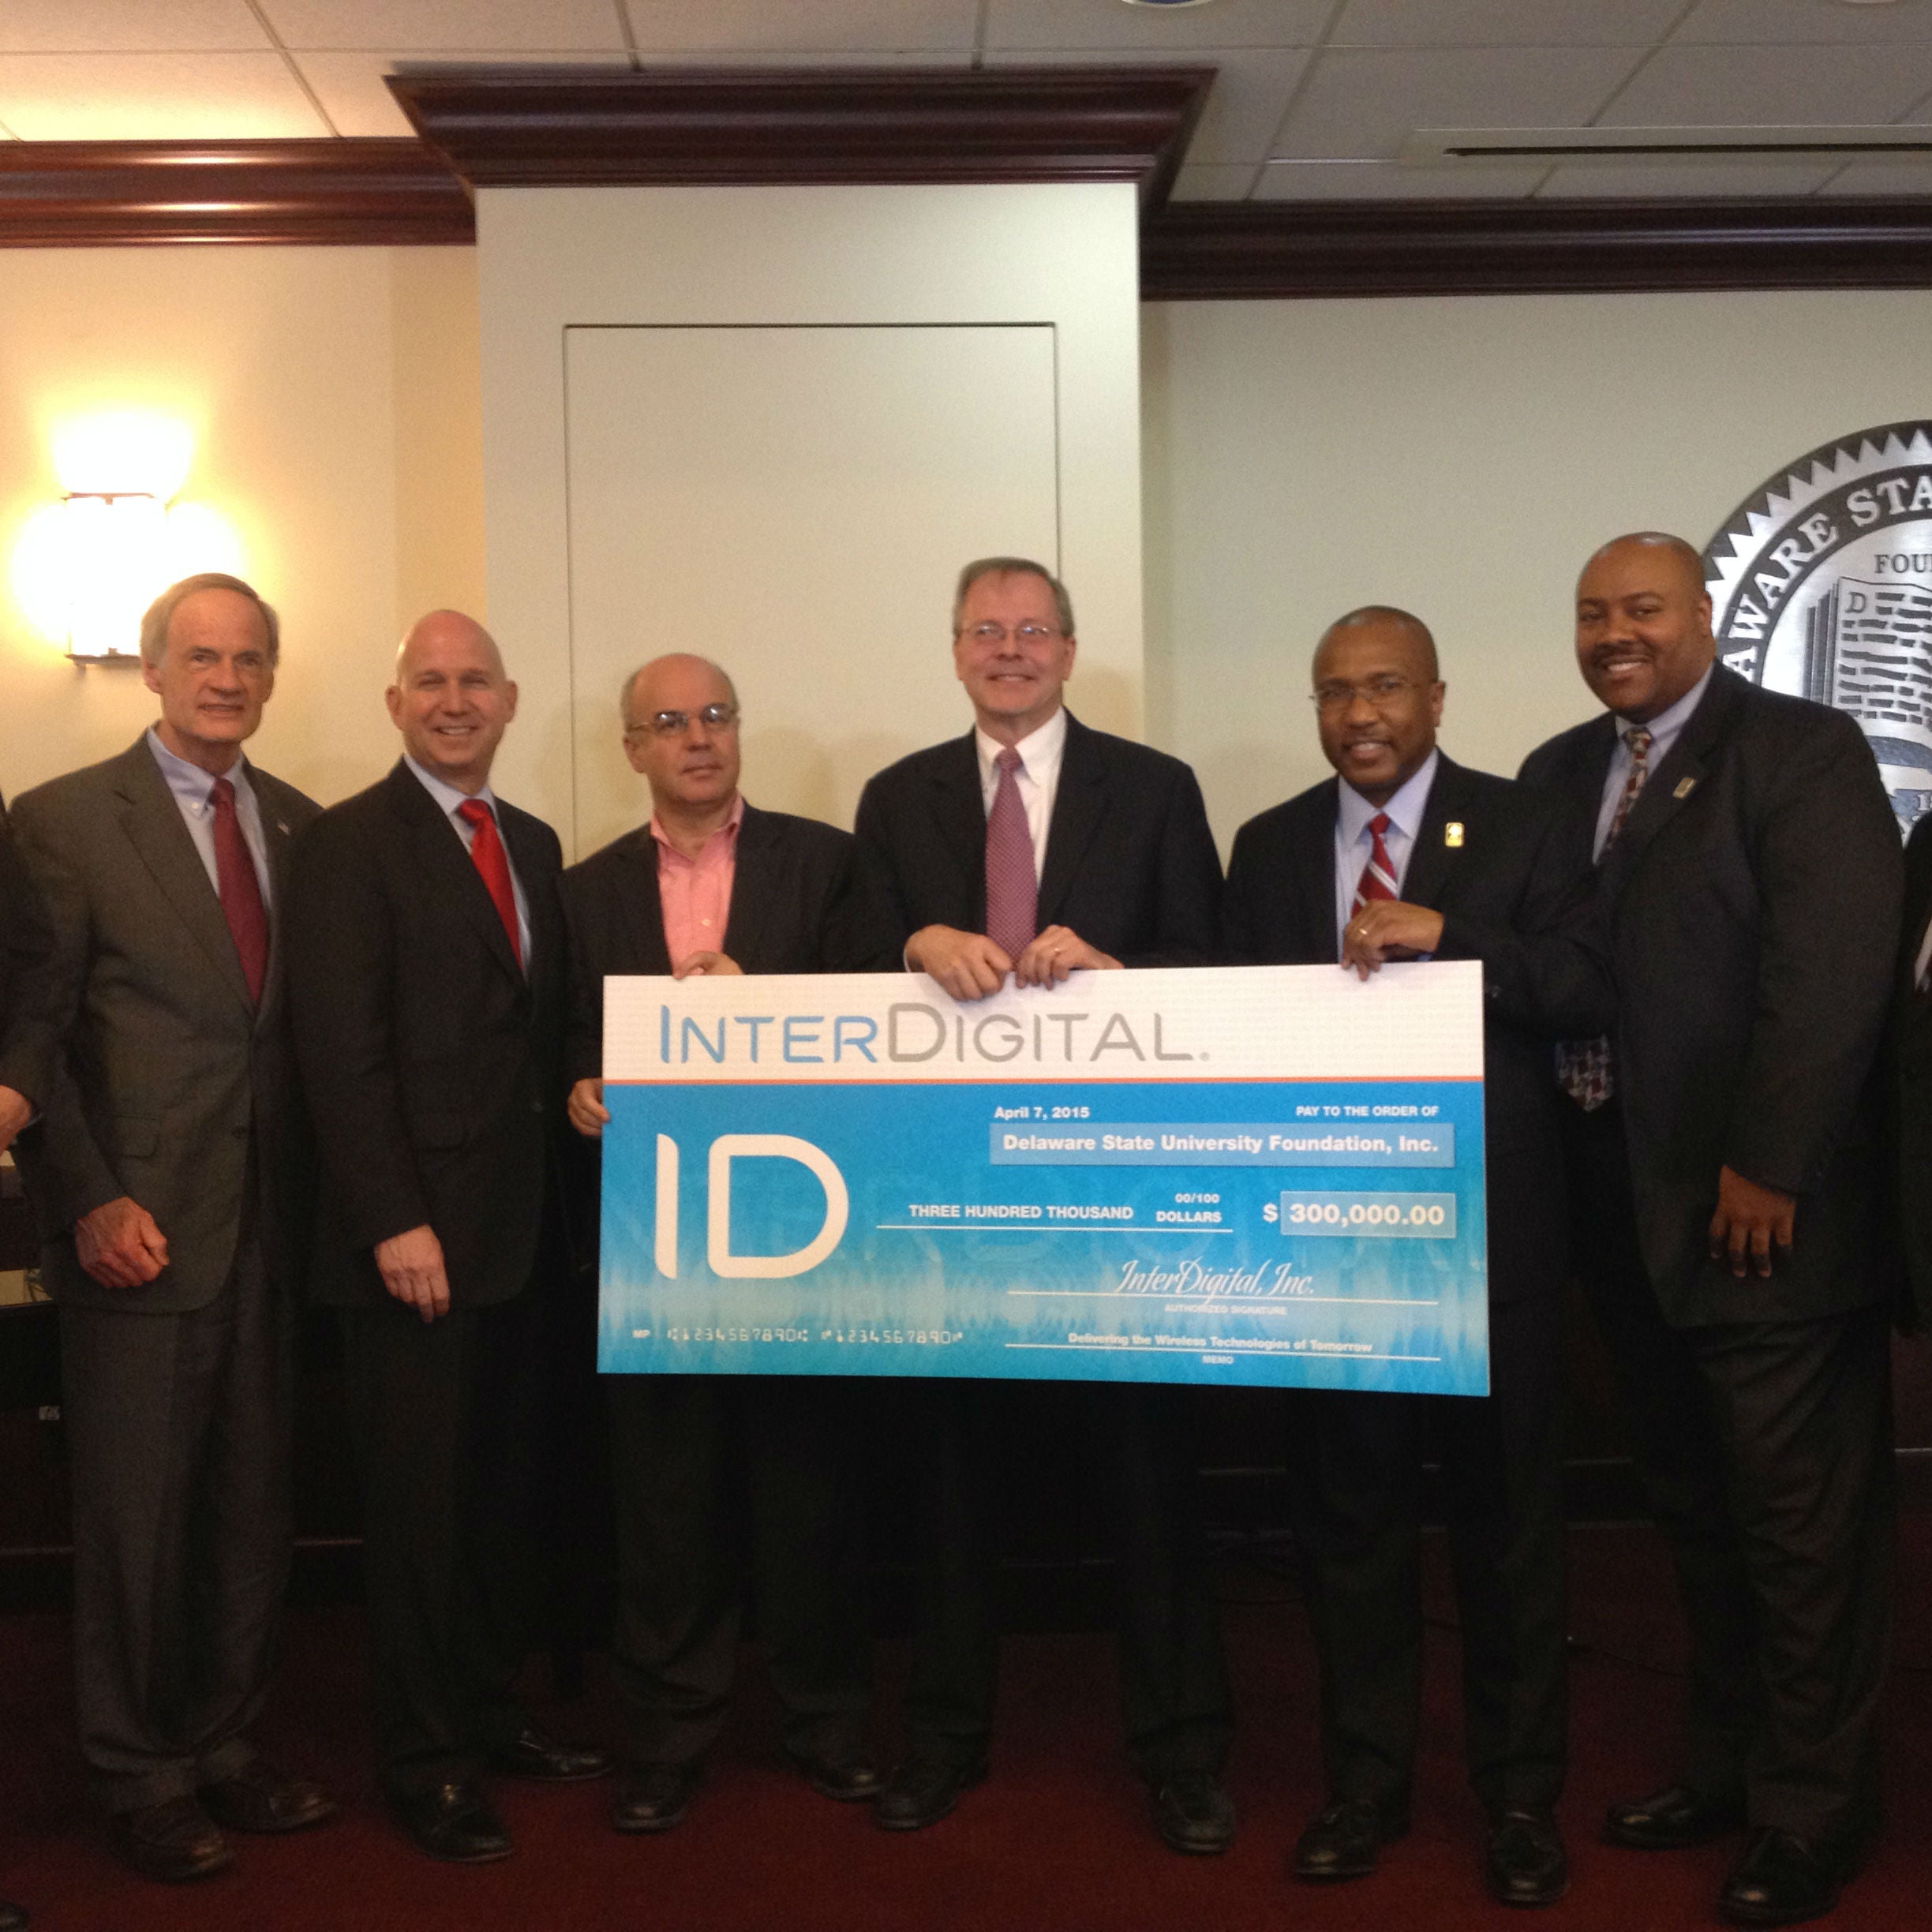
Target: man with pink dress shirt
[(711, 885)]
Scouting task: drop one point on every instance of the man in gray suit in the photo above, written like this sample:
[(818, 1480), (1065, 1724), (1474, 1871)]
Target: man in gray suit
[(162, 1174)]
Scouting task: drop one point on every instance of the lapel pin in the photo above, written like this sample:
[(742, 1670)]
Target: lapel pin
[(1685, 788), (1452, 835)]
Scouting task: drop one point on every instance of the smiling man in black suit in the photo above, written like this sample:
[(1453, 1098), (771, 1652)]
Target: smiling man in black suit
[(428, 981), (1035, 846), (713, 885), (1407, 854), (1722, 1142)]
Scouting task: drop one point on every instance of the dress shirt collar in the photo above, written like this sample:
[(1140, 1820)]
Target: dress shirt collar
[(1040, 752), (446, 796), (1665, 726), (1405, 809), (726, 835), (188, 781)]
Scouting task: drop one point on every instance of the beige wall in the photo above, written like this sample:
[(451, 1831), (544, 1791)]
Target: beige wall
[(333, 396), (1459, 457)]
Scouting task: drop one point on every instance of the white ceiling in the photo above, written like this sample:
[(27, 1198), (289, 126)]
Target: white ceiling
[(1316, 99)]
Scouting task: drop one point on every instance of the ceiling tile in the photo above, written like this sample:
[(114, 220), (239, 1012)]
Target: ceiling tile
[(1362, 103), (1772, 86), (1389, 181), (1717, 180), (1216, 181), (1882, 178), (1250, 92), (1054, 25), (499, 26), (1761, 22), (752, 27), (350, 86), (154, 97), (128, 27), (1504, 23)]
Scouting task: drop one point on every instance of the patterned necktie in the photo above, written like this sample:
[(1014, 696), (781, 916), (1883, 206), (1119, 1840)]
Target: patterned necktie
[(487, 853), (1012, 889), (239, 889), (1584, 1068), (1378, 876)]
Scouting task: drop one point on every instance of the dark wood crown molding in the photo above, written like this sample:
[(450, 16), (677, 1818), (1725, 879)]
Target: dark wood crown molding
[(558, 127), (78, 194), (1217, 252)]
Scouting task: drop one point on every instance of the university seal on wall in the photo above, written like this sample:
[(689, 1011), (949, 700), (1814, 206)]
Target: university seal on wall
[(1821, 584)]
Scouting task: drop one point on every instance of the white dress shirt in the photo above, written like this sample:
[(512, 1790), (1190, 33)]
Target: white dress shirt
[(1664, 729), (1038, 778), (191, 786), (1354, 842), (449, 799)]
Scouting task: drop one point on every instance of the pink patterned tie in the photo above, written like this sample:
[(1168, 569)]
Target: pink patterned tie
[(1586, 1070), (1378, 876), (1012, 889)]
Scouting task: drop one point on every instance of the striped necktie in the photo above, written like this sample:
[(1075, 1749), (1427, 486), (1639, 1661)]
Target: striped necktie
[(1378, 876)]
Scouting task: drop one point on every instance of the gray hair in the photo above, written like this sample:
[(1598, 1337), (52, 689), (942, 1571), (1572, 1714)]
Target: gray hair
[(624, 689), (1014, 567), (160, 613)]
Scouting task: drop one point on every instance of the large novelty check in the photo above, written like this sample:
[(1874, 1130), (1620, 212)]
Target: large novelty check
[(1257, 1174)]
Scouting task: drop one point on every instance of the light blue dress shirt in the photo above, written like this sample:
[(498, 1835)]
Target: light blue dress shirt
[(1354, 841), (1664, 729), (449, 799), (192, 786)]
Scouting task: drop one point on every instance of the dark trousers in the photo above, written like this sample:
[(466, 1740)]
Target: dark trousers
[(693, 1457), (444, 1416), (1356, 1502), (177, 1434), (1175, 1704), (1765, 1449)]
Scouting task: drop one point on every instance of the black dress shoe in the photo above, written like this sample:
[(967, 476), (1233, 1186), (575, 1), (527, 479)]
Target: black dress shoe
[(175, 1841), (1193, 1813), (1344, 1838), (13, 1918), (453, 1823), (1673, 1819), (1525, 1863), (844, 1772), (534, 1753), (260, 1798), (653, 1797), (1785, 1880), (922, 1791)]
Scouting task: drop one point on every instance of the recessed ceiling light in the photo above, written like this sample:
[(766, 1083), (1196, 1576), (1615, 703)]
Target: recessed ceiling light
[(1868, 2), (1181, 3)]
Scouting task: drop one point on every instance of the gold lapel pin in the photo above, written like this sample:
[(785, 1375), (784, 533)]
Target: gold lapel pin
[(1452, 835), (1685, 788)]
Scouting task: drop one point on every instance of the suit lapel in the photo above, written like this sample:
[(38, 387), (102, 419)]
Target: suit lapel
[(753, 883), (958, 811), (1676, 781), (1079, 803), (640, 910), (1312, 854), (438, 849), (531, 861), (1432, 861), (152, 819), (278, 836)]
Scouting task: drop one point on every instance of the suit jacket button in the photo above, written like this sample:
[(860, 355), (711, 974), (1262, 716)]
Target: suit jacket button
[(536, 1107)]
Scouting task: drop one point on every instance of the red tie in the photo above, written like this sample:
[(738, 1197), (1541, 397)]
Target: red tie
[(1012, 891), (492, 863), (1378, 876), (240, 890)]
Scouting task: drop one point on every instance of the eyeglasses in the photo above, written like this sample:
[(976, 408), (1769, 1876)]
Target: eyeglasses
[(991, 633), (672, 724), (1381, 692)]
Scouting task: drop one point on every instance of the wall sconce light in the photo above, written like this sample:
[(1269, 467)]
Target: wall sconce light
[(85, 568)]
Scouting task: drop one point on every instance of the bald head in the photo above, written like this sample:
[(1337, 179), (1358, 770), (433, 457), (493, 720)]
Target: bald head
[(678, 672), (450, 698), (1402, 630), (1643, 623)]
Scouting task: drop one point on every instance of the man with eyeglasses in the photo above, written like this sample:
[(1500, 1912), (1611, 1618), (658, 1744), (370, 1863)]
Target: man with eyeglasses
[(713, 885), (1405, 855), (1034, 846)]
